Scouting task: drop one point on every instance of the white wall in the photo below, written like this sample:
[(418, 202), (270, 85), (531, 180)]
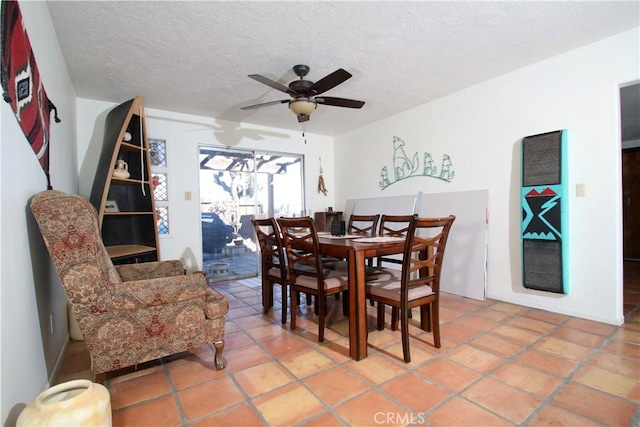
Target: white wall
[(184, 133), (30, 290), (481, 128)]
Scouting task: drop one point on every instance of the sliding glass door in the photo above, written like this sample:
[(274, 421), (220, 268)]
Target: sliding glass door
[(236, 186)]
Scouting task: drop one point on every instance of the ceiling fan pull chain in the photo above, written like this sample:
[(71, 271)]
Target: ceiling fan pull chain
[(304, 129)]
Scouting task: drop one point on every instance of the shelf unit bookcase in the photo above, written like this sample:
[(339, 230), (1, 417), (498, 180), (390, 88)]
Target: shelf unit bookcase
[(129, 231), (323, 220)]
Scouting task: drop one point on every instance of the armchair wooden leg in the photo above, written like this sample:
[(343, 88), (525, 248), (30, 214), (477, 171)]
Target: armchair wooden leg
[(100, 378), (221, 363)]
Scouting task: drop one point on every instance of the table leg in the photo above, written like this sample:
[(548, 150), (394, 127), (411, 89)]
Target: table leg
[(357, 306)]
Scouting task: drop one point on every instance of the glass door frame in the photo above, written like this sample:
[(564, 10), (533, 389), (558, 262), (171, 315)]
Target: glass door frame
[(229, 262)]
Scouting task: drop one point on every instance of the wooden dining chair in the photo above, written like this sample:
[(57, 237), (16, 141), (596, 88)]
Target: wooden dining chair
[(274, 263), (362, 225), (393, 226), (306, 271), (365, 225), (419, 282)]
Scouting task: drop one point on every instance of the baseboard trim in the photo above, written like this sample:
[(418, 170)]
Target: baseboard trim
[(59, 361)]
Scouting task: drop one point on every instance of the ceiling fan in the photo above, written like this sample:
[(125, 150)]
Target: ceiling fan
[(304, 93)]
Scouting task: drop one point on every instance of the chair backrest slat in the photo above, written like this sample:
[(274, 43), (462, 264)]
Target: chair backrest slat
[(363, 224), (302, 248), (394, 226), (271, 246), (424, 253)]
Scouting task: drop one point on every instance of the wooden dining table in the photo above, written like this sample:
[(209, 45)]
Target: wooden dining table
[(356, 252)]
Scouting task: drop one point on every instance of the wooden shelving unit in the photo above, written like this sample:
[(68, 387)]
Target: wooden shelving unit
[(130, 234), (323, 220)]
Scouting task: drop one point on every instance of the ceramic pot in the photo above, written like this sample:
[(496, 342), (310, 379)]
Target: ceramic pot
[(121, 170), (74, 403)]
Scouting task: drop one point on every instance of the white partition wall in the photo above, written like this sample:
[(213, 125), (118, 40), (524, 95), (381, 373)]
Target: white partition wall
[(464, 270), (394, 205)]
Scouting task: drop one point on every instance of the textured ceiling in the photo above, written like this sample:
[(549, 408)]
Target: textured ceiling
[(194, 57)]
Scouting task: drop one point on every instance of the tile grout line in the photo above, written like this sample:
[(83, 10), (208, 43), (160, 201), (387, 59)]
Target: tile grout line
[(377, 387), (324, 351), (460, 393), (174, 392), (297, 380), (506, 360)]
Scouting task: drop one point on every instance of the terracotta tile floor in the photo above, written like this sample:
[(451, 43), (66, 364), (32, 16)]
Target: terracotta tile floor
[(500, 364)]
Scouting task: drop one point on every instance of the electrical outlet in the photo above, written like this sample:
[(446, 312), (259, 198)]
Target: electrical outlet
[(51, 323), (581, 190)]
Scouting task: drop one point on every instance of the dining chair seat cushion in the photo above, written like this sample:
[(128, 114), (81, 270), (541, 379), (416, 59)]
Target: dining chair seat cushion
[(332, 279), (390, 288), (274, 272)]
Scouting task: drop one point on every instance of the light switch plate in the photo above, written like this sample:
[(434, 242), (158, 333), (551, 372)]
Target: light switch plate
[(187, 195), (581, 190)]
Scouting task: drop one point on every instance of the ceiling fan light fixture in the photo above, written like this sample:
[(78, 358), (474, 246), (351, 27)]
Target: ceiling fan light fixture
[(302, 106)]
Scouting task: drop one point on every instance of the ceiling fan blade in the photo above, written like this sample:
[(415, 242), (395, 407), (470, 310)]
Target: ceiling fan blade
[(273, 84), (250, 107), (339, 102), (303, 118), (329, 82)]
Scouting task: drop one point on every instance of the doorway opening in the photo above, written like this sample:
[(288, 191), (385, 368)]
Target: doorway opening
[(235, 186), (630, 135)]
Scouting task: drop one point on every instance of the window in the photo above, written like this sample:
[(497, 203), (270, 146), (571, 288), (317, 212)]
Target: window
[(159, 178)]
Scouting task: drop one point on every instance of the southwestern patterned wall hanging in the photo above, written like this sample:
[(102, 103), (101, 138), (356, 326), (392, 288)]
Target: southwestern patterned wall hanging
[(544, 212), (21, 85), (405, 167)]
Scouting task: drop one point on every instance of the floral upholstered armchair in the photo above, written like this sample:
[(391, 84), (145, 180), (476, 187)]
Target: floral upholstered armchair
[(128, 314)]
